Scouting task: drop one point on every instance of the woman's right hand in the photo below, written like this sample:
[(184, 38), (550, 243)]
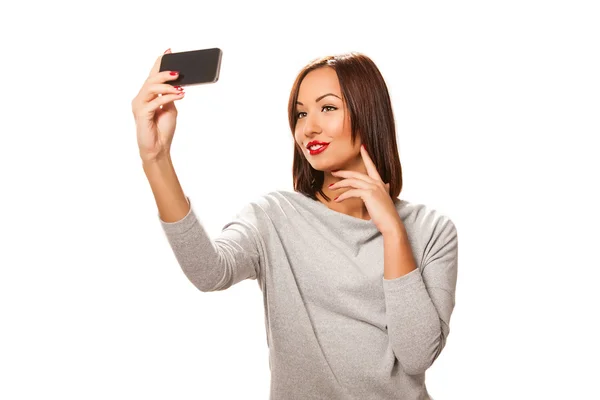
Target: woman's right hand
[(155, 126)]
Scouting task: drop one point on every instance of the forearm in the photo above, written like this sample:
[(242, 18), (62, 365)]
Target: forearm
[(418, 313), (168, 194), (398, 258)]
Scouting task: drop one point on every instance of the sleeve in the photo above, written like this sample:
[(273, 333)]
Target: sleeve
[(214, 265), (420, 303)]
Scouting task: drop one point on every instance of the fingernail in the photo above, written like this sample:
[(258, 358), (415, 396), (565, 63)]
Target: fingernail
[(335, 170), (336, 198), (174, 73), (331, 185), (167, 50)]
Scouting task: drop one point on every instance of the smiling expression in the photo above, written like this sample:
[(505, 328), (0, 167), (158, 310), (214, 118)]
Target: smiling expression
[(322, 117)]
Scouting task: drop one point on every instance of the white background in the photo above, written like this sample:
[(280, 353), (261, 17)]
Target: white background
[(496, 105)]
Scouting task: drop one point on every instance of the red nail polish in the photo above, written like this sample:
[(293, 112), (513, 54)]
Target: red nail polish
[(336, 198), (174, 73), (331, 185)]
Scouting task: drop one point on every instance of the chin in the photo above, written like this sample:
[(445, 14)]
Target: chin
[(321, 166), (325, 169)]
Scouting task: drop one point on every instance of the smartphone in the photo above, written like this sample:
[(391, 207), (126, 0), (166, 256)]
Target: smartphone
[(195, 67)]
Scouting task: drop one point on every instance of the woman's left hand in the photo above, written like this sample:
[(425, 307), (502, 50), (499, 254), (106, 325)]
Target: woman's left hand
[(375, 194)]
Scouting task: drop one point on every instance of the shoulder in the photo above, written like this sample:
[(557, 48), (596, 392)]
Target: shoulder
[(267, 207), (425, 219), (432, 234)]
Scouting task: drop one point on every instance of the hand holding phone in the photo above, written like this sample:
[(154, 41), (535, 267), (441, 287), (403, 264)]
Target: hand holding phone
[(155, 113), (195, 67)]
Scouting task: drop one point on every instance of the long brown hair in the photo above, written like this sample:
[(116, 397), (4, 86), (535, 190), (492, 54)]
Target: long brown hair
[(366, 97)]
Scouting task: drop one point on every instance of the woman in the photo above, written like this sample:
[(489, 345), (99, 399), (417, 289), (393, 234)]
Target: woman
[(358, 286)]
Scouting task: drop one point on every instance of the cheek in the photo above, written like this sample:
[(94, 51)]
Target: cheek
[(297, 136), (298, 139), (337, 128)]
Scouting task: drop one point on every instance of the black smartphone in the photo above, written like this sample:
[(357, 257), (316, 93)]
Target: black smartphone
[(195, 67)]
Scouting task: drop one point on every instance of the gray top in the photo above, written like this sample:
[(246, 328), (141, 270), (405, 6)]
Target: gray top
[(335, 327)]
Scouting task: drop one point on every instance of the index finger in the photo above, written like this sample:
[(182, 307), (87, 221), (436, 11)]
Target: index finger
[(369, 164), (156, 65)]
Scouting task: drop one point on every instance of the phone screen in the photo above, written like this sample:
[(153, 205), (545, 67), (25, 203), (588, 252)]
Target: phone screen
[(195, 67)]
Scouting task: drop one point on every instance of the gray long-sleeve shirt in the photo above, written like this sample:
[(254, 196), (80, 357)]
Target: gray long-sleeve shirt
[(335, 327)]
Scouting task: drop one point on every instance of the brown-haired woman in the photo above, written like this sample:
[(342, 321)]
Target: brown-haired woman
[(358, 285)]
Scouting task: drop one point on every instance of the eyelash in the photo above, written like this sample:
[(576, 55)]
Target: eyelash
[(298, 114)]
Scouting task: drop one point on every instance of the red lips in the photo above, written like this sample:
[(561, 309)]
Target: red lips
[(319, 150), (314, 143)]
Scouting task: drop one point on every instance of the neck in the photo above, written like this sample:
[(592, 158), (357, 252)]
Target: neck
[(353, 206)]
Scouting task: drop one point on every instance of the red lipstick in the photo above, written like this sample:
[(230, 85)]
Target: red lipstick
[(318, 150)]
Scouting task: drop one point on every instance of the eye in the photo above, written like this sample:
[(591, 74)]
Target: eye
[(302, 112)]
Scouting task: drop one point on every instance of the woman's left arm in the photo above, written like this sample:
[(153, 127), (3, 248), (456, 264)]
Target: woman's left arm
[(420, 301)]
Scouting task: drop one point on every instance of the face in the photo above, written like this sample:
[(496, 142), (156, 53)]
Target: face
[(322, 117)]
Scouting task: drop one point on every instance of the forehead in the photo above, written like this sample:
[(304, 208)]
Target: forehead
[(317, 82)]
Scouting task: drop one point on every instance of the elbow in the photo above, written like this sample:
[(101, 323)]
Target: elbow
[(206, 281), (415, 368), (201, 285), (207, 286), (416, 363)]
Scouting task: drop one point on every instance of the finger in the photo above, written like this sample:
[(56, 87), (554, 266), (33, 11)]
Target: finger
[(371, 168), (161, 101), (169, 107), (355, 183), (151, 90), (162, 77), (350, 193), (156, 66), (353, 174)]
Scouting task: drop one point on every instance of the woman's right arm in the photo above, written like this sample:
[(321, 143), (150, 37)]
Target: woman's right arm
[(209, 265), (169, 196)]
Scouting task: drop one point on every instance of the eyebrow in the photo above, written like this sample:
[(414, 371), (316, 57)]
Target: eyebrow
[(320, 97)]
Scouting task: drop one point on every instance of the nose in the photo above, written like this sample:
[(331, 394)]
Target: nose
[(311, 126)]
